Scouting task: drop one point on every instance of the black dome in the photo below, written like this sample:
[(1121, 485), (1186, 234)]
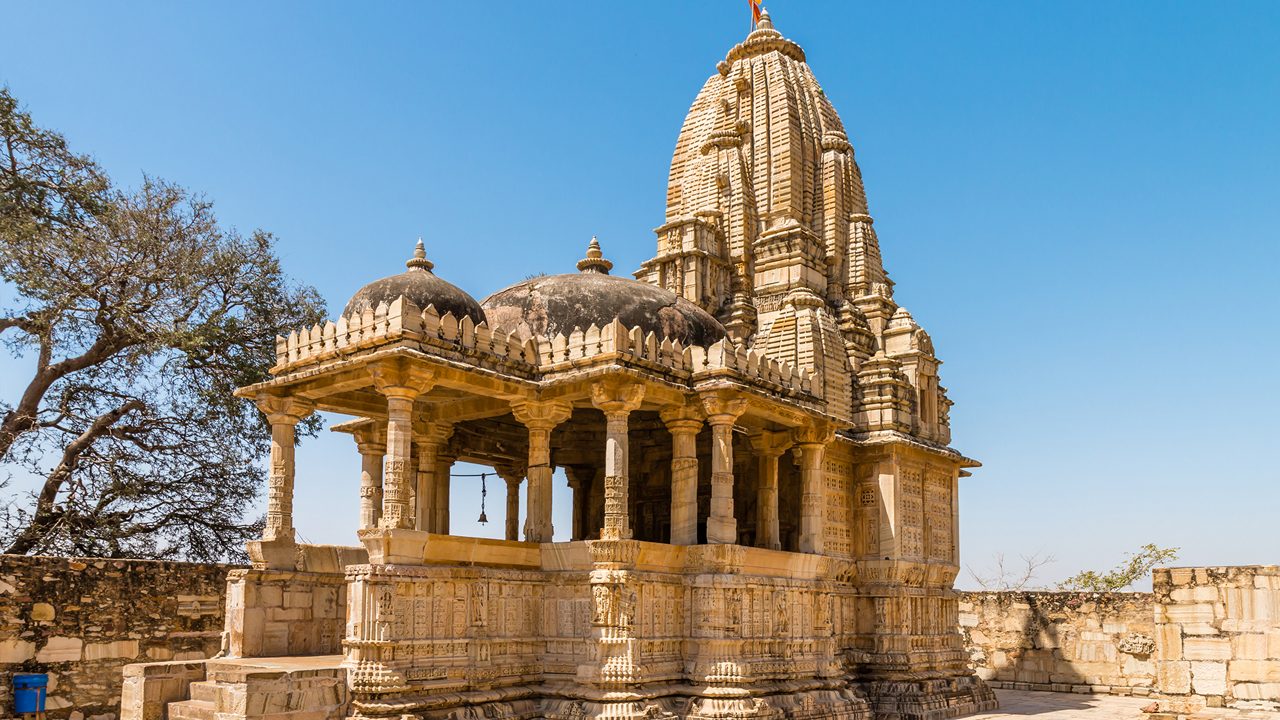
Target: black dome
[(556, 304), (419, 286)]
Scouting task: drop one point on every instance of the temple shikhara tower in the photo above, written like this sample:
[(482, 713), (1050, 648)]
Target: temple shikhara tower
[(764, 496)]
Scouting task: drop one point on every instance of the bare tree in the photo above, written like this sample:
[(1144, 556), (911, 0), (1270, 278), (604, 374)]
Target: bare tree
[(1004, 576), (139, 315)]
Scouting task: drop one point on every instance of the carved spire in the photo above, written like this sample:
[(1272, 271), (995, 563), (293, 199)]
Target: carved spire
[(419, 260), (594, 262), (766, 23)]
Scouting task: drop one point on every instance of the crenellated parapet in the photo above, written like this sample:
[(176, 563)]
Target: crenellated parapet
[(401, 323), (398, 321)]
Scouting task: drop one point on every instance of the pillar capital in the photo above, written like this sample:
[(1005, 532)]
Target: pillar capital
[(432, 432), (284, 409), (815, 433), (722, 407), (511, 472), (371, 439), (398, 378), (616, 396), (578, 476), (541, 414), (682, 418), (771, 444)]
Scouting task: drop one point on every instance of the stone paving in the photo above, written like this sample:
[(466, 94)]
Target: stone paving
[(1072, 706)]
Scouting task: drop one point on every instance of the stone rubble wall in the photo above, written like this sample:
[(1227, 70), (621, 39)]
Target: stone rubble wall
[(1218, 636), (82, 620), (1061, 641)]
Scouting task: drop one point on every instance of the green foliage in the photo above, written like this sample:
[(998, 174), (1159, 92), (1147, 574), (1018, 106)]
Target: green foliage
[(138, 315), (1135, 567)]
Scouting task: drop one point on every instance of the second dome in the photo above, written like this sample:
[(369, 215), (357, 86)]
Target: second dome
[(555, 304)]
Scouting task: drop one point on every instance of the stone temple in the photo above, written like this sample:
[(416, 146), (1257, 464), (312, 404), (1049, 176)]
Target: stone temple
[(757, 442)]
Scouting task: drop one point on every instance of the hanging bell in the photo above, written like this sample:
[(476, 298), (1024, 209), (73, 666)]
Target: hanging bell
[(484, 491), (483, 518)]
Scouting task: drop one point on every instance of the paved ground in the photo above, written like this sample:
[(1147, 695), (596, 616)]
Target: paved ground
[(1071, 706)]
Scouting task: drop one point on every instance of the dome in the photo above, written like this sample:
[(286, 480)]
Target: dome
[(554, 304), (419, 286)]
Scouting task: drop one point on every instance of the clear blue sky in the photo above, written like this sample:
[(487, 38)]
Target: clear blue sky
[(1080, 201)]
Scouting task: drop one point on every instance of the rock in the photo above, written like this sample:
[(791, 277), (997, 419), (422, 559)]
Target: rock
[(43, 612)]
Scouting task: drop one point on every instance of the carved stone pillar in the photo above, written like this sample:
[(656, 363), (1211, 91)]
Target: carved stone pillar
[(372, 444), (811, 443), (396, 540), (540, 418), (443, 483), (722, 407), (276, 550), (768, 447), (580, 482), (684, 422), (513, 477), (616, 400), (430, 438), (595, 504)]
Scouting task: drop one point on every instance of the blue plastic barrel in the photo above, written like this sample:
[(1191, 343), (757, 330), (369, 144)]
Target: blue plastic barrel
[(28, 692)]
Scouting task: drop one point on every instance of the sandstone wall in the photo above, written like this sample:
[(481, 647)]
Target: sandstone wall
[(1218, 636), (1061, 641), (82, 620)]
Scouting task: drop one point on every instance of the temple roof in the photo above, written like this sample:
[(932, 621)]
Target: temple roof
[(551, 304), (419, 285)]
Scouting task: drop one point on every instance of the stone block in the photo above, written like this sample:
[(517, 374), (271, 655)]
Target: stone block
[(111, 650), (297, 599), (13, 650), (1169, 642), (1189, 614), (1174, 677), (1133, 666), (270, 596), (1209, 678), (296, 614), (1249, 646), (159, 653), (42, 612), (61, 649), (1260, 671), (1206, 648), (275, 639), (1256, 691), (326, 603)]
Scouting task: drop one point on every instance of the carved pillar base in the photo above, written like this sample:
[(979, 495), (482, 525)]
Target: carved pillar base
[(395, 546), (278, 554)]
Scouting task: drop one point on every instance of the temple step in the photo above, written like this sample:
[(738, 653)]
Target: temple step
[(204, 691), (192, 710)]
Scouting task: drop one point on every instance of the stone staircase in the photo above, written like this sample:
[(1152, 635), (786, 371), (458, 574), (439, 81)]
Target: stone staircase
[(203, 704), (300, 688)]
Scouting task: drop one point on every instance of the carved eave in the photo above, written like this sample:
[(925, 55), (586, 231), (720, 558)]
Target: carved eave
[(346, 387), (888, 439)]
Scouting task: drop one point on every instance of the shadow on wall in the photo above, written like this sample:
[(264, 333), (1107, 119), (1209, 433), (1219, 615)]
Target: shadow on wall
[(1061, 641)]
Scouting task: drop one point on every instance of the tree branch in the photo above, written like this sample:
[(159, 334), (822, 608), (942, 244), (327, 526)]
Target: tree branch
[(46, 513)]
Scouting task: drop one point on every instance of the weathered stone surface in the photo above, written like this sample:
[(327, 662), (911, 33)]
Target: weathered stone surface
[(81, 620), (1044, 639), (1224, 622)]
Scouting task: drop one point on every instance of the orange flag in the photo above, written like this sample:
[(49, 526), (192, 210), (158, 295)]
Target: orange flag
[(755, 12)]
